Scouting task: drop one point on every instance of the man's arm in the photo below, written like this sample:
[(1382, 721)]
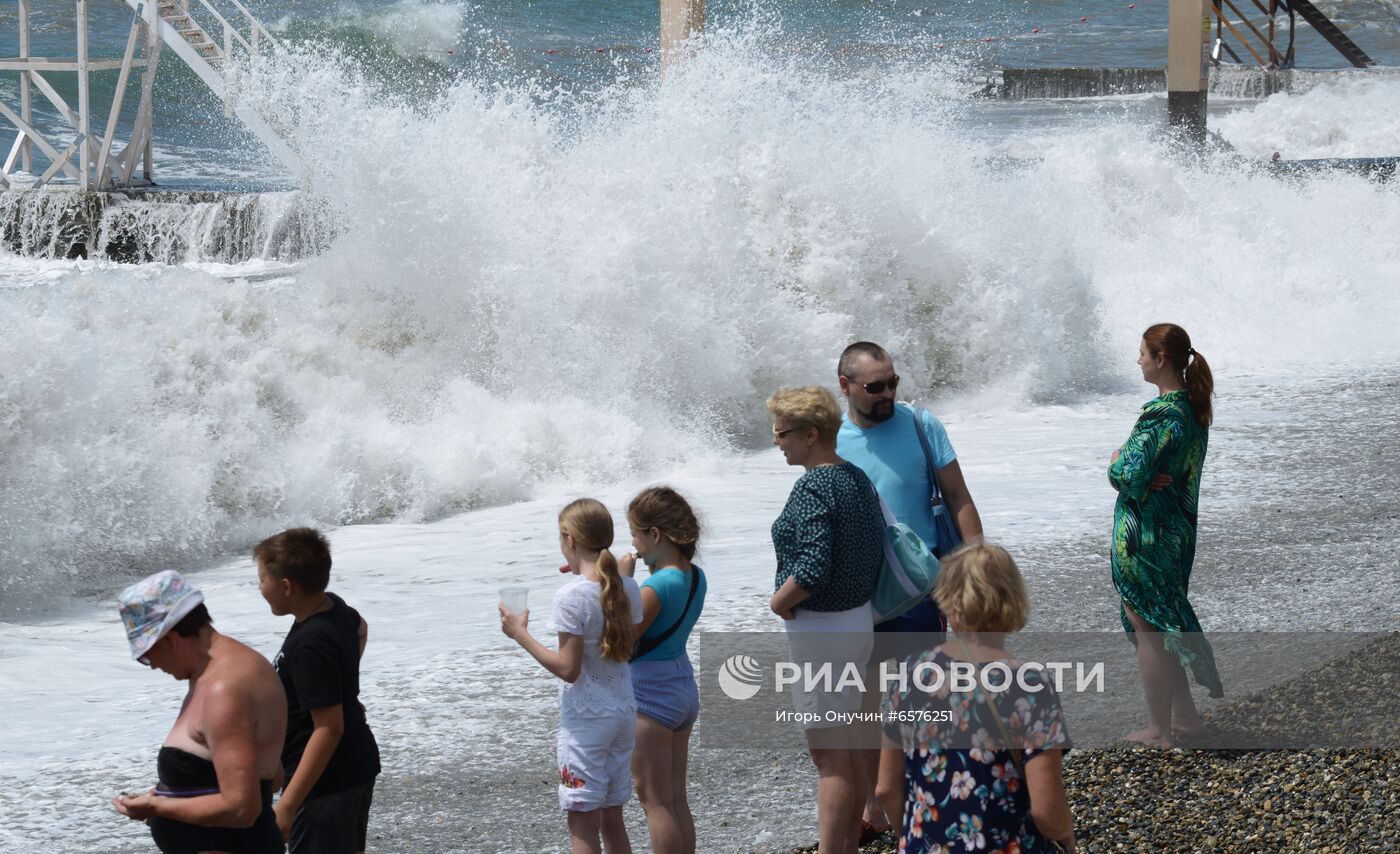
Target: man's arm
[(328, 726), (959, 501), (228, 727)]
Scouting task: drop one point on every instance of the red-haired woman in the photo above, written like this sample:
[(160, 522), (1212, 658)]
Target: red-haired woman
[(1157, 473)]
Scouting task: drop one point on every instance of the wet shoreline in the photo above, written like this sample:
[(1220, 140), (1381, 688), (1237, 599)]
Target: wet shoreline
[(1253, 563)]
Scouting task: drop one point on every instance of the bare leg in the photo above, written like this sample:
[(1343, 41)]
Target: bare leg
[(1186, 719), (583, 832), (614, 830), (1156, 664), (891, 794), (839, 800), (652, 758), (874, 813), (680, 805), (865, 789)]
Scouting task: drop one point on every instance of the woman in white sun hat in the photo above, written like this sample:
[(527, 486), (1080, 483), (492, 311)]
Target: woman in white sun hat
[(218, 764)]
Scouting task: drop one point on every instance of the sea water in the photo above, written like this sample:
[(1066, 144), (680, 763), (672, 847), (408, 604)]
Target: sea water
[(553, 275)]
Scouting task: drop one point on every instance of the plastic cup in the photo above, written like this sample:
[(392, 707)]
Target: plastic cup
[(515, 598)]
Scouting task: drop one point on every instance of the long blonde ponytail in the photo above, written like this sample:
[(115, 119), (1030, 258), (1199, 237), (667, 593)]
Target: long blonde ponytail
[(591, 526)]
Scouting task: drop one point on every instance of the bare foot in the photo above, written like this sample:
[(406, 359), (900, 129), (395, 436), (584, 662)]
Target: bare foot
[(869, 833), (1189, 731), (1150, 736)]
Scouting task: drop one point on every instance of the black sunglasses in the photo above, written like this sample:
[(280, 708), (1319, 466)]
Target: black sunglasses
[(879, 386)]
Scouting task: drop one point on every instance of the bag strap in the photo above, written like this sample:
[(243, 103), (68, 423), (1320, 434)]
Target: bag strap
[(936, 497), (892, 563), (646, 646), (1005, 739), (885, 510), (1015, 754)]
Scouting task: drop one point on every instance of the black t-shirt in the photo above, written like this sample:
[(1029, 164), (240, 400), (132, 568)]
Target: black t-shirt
[(320, 666)]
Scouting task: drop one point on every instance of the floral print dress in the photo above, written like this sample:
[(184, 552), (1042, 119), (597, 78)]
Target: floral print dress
[(1154, 532), (963, 790)]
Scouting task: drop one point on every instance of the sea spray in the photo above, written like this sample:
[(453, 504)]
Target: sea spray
[(162, 227), (530, 289)]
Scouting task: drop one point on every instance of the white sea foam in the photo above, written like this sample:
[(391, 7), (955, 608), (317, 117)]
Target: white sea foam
[(439, 679), (1356, 117), (525, 305), (413, 27), (440, 682), (521, 297)]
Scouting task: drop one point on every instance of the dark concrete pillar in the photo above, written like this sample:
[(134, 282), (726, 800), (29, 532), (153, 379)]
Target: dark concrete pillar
[(1188, 67)]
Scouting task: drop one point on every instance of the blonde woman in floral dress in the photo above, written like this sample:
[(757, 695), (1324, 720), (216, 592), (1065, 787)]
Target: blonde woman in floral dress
[(977, 770)]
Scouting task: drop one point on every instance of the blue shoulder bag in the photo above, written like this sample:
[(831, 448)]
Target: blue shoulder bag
[(908, 571)]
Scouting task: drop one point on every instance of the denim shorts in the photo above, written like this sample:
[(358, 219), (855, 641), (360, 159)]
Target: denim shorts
[(666, 692)]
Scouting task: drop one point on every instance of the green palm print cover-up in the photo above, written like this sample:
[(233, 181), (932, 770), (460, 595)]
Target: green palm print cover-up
[(1154, 532)]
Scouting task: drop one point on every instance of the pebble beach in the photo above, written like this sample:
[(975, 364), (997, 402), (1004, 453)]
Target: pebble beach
[(1198, 799)]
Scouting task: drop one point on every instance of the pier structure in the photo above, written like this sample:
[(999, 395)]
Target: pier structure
[(1188, 68), (1260, 42), (75, 155), (680, 19)]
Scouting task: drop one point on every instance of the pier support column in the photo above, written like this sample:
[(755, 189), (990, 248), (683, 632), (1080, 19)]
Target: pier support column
[(145, 111), (680, 19), (84, 106), (26, 104), (1188, 67)]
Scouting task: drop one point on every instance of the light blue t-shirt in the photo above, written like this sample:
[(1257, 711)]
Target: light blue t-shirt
[(672, 587), (890, 455)]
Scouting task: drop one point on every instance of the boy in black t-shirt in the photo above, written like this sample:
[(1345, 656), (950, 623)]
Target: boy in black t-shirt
[(330, 757)]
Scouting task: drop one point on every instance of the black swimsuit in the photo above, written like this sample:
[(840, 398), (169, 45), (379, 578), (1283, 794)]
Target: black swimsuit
[(184, 775)]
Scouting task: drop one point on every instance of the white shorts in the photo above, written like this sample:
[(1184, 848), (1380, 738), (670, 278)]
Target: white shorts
[(595, 761), (835, 638)]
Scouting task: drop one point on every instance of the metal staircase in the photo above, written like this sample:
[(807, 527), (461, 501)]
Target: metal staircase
[(207, 35), (1330, 31), (185, 28), (177, 16), (1260, 41)]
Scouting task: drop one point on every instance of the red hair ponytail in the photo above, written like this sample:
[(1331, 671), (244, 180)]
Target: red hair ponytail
[(1171, 343)]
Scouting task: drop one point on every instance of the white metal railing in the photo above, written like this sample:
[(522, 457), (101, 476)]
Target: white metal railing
[(190, 27), (233, 34), (153, 24)]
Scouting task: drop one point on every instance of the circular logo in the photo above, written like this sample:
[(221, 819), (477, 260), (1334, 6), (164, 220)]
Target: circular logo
[(740, 677)]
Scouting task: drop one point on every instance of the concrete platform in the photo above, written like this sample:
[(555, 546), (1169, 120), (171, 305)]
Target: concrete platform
[(162, 226)]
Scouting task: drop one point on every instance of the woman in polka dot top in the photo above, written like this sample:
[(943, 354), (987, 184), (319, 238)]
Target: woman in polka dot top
[(829, 542)]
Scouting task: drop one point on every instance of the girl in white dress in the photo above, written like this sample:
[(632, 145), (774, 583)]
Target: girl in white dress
[(596, 615)]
